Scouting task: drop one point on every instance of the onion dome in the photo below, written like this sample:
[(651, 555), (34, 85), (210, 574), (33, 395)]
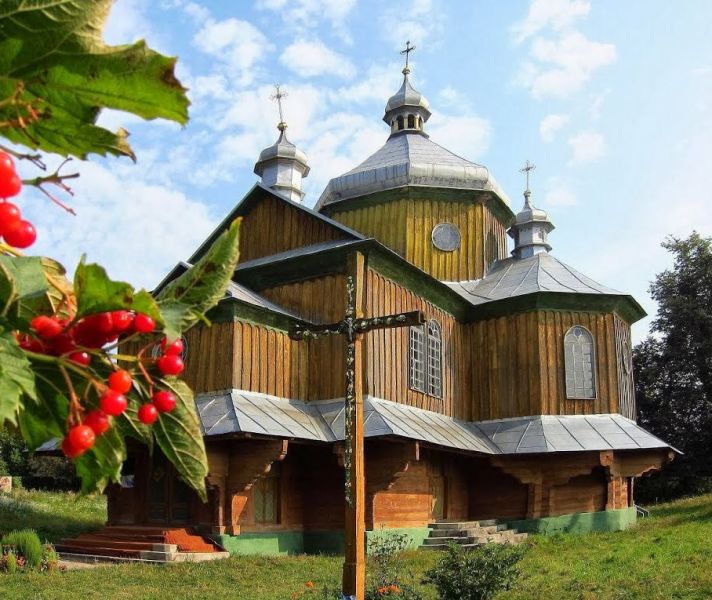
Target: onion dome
[(407, 109), (282, 166), (530, 230)]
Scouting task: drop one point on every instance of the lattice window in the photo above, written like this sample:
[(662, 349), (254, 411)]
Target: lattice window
[(417, 354), (267, 498), (435, 360), (579, 360)]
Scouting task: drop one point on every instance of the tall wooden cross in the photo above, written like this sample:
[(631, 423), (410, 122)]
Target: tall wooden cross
[(353, 326), (407, 51)]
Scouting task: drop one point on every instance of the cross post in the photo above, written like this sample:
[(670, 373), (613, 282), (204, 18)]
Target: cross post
[(278, 95), (407, 51), (527, 168), (353, 327)]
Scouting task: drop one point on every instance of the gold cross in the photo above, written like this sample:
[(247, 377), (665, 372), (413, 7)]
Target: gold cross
[(278, 95), (407, 51), (526, 169)]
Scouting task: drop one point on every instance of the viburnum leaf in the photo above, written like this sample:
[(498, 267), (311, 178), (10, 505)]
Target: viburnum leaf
[(16, 378), (180, 438), (186, 299), (96, 293), (55, 64), (22, 283), (101, 464)]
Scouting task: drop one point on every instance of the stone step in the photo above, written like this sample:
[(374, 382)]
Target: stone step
[(463, 524), (508, 536), (445, 540), (157, 555)]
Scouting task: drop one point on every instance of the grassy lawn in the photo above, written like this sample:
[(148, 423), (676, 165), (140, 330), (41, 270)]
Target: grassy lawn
[(666, 556)]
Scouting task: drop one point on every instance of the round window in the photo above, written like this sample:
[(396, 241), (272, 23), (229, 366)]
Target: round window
[(446, 237)]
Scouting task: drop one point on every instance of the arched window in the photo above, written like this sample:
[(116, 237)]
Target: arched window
[(411, 122), (435, 360), (417, 355), (420, 122), (580, 363), (426, 359), (491, 251), (400, 122)]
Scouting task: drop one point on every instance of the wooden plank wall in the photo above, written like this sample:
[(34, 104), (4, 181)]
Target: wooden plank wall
[(209, 360), (386, 354), (624, 363), (584, 493), (274, 226), (518, 365), (552, 329), (406, 226)]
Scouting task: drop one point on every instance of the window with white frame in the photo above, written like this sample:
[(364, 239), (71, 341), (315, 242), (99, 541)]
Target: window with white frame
[(580, 363), (426, 359)]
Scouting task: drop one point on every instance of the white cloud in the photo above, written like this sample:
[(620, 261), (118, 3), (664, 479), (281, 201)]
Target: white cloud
[(236, 43), (128, 23), (302, 15), (587, 147), (379, 84), (597, 104), (561, 66), (134, 228), (550, 126), (312, 58), (557, 14), (414, 20), (559, 192), (466, 135)]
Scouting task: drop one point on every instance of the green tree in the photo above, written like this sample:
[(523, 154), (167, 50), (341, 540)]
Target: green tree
[(673, 370), (58, 338)]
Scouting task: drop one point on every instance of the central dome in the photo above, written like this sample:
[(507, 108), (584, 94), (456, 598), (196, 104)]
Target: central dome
[(409, 158)]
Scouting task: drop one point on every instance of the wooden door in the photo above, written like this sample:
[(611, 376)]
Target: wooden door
[(437, 491), (168, 497)]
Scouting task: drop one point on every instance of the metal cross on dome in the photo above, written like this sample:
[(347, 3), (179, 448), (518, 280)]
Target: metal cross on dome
[(278, 95), (407, 51), (527, 168)]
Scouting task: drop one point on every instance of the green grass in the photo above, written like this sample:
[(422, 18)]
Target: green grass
[(53, 515), (667, 556)]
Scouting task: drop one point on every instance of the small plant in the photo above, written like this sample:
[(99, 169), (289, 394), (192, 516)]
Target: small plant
[(386, 580), (10, 562), (476, 574), (26, 544)]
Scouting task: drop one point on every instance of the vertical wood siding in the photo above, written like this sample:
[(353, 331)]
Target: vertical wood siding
[(274, 226), (406, 227), (624, 364)]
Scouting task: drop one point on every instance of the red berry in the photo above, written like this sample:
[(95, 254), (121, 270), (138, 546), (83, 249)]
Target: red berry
[(32, 345), (9, 216), (120, 381), (10, 184), (98, 420), (21, 235), (81, 358), (81, 437), (63, 344), (46, 327), (113, 403), (164, 401), (144, 323), (87, 334), (69, 450), (122, 320), (170, 364), (147, 414), (7, 164), (175, 347)]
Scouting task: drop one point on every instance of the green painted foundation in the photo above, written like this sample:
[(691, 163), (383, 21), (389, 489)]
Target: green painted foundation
[(608, 520), (306, 542)]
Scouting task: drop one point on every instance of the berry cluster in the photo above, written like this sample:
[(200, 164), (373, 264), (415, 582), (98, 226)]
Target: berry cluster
[(78, 341), (13, 228)]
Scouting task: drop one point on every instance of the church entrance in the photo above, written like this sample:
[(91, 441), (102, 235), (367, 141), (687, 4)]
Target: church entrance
[(169, 499)]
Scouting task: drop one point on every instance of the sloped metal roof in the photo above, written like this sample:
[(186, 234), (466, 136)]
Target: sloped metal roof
[(239, 411), (516, 277), (410, 159), (248, 296)]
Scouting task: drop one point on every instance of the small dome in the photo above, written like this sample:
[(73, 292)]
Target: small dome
[(282, 148), (282, 166), (531, 230), (407, 96)]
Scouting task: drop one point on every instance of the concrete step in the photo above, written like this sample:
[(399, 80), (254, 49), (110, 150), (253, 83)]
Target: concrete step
[(462, 524), (430, 541)]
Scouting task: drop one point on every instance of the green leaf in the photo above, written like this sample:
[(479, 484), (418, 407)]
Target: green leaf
[(52, 55), (23, 286), (129, 424), (16, 378), (102, 463), (44, 420), (179, 436), (96, 293), (187, 298)]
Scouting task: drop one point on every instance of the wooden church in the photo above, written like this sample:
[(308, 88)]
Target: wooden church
[(512, 398)]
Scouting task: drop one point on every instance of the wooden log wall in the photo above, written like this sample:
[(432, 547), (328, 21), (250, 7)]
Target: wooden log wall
[(386, 354), (406, 225), (274, 226), (518, 365)]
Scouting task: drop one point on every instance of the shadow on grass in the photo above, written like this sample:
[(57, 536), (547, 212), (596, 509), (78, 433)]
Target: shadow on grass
[(685, 512), (51, 525)]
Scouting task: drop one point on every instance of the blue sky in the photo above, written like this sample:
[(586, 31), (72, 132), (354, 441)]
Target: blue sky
[(611, 100)]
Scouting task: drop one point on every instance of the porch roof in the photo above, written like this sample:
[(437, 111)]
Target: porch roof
[(238, 411)]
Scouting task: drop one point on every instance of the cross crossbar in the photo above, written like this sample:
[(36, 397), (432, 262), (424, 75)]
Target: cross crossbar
[(356, 326)]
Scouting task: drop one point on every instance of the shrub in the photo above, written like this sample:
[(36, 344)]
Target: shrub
[(10, 562), (385, 578), (13, 454), (476, 574), (26, 544)]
